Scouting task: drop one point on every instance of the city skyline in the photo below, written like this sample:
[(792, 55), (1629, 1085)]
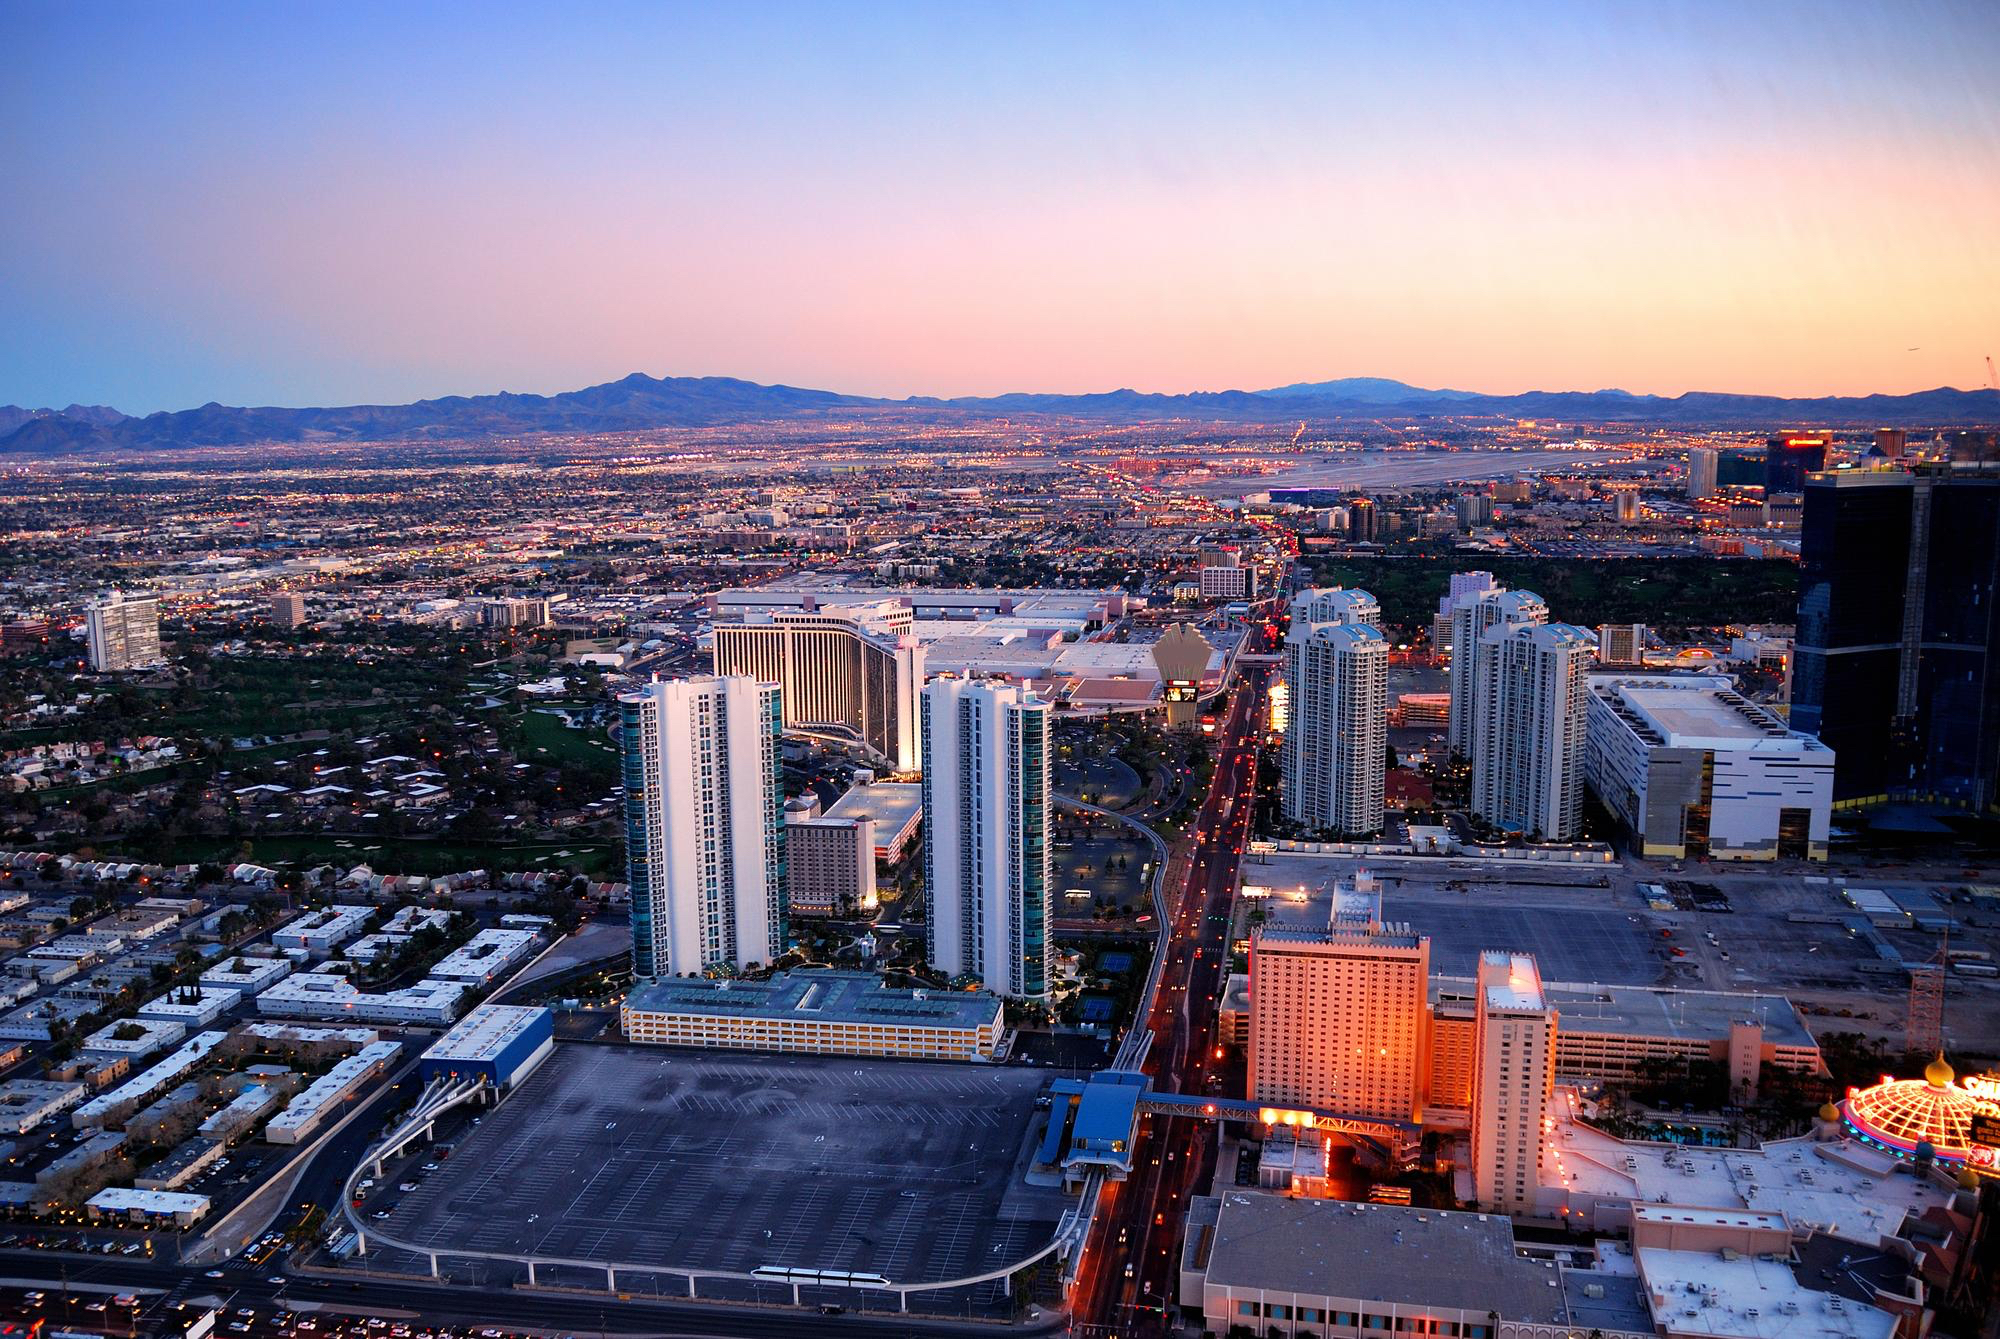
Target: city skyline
[(321, 208)]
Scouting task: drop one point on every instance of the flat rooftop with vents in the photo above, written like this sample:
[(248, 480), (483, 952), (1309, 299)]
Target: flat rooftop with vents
[(819, 1012)]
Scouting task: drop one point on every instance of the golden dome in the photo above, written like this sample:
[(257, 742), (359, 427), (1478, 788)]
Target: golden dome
[(1828, 1111), (1937, 1073)]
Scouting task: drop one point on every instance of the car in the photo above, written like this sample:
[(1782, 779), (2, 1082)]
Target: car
[(379, 1215), (240, 1327), (407, 1187), (129, 1248), (93, 1306), (212, 1274), (277, 1280), (246, 1311), (31, 1297), (430, 1166)]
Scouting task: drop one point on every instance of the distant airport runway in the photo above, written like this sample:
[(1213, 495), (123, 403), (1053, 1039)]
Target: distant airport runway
[(1370, 470)]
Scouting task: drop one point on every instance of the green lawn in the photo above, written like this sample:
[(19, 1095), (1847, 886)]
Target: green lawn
[(590, 749), (1667, 593)]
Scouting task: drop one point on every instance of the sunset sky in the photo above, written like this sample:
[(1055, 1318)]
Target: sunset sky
[(338, 203)]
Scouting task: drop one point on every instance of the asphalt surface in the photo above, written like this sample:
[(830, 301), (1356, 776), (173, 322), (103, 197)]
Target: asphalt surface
[(1127, 1280), (724, 1161)]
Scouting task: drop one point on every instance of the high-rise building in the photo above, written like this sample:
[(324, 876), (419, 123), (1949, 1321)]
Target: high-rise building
[(1362, 520), (1626, 505), (1891, 442), (1621, 643), (1228, 581), (1336, 741), (1337, 1012), (288, 609), (1701, 480), (829, 862), (1465, 586), (515, 611), (1336, 604), (857, 668), (1788, 460), (1513, 1074), (124, 632), (986, 765), (1894, 666), (1529, 727), (1472, 613), (704, 824), (1475, 509)]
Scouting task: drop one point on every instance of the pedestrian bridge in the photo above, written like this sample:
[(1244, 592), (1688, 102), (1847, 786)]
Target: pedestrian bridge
[(1093, 1123)]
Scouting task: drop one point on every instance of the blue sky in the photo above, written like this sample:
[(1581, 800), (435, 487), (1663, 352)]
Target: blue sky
[(331, 204)]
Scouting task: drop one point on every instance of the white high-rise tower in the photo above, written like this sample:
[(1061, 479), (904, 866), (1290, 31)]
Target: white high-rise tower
[(124, 632), (1530, 723), (704, 824), (986, 833), (1471, 615), (1513, 1073), (1336, 678)]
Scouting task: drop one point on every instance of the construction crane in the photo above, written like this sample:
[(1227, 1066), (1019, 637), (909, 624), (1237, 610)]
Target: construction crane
[(1992, 377)]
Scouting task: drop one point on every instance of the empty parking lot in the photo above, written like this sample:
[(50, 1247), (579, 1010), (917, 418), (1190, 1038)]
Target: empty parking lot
[(714, 1160)]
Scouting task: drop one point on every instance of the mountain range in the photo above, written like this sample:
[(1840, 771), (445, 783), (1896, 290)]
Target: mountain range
[(640, 402)]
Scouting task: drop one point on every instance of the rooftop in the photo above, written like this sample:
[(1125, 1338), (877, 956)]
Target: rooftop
[(1653, 1011), (1844, 1188), (1705, 1293), (1511, 982), (893, 804), (1381, 1253), (485, 1032), (820, 997)]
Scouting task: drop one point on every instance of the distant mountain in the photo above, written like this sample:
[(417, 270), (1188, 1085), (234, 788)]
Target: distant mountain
[(13, 417), (1361, 390), (639, 402)]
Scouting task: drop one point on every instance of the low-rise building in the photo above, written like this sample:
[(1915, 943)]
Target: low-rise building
[(114, 1106), (256, 1101), (305, 1112), (821, 1013), (192, 1006), (246, 975), (1614, 1032), (897, 809), (298, 1041), (188, 1160), (148, 1207), (485, 957), (1692, 768), (26, 1103), (321, 994), (133, 1038), (320, 932), (501, 1043)]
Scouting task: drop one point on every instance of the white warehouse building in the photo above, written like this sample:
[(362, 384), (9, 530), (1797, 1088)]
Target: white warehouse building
[(1691, 767)]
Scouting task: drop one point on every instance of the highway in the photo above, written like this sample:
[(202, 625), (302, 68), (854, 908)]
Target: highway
[(1126, 1281)]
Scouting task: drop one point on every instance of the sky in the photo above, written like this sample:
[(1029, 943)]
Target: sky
[(351, 203)]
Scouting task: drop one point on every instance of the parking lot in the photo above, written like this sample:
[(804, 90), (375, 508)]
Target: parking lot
[(724, 1161), (1578, 942)]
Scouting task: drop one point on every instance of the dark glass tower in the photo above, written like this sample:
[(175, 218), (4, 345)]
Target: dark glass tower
[(1894, 667), (1788, 460)]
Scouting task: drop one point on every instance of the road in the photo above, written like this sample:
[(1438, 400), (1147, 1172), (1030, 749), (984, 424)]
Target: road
[(1126, 1281), (512, 1309)]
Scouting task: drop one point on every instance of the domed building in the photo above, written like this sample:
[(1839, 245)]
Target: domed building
[(1899, 1114)]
